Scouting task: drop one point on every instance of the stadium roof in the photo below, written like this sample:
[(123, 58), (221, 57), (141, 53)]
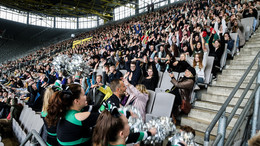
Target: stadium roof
[(67, 8)]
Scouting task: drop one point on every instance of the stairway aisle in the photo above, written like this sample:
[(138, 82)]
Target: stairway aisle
[(205, 110)]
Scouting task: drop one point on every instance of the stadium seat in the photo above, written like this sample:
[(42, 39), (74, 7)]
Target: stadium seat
[(234, 37), (123, 71), (208, 70), (28, 121), (38, 123), (248, 26), (166, 81), (223, 59), (162, 105), (150, 102), (190, 60), (160, 74)]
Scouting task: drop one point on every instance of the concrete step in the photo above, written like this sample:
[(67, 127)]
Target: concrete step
[(253, 43), (254, 37), (249, 48), (201, 126), (221, 99), (235, 79), (239, 66), (216, 106), (199, 138), (232, 62), (242, 57), (252, 40), (241, 61), (226, 91), (231, 84), (249, 52), (207, 115), (239, 72)]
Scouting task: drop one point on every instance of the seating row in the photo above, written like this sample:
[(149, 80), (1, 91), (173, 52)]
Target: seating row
[(28, 120)]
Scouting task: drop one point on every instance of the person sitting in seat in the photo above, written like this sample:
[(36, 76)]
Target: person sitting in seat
[(182, 90)]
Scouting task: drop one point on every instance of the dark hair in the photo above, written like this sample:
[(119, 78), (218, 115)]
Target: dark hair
[(60, 102), (133, 62), (228, 35), (107, 129), (188, 129), (114, 84)]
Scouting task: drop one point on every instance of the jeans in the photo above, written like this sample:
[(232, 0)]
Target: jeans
[(238, 41), (200, 80), (254, 25)]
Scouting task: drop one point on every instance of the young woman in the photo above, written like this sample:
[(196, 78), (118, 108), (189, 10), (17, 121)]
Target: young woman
[(113, 130), (229, 42), (51, 130), (182, 90), (199, 64), (73, 124), (151, 80), (182, 65), (199, 47), (237, 27), (216, 51), (138, 97)]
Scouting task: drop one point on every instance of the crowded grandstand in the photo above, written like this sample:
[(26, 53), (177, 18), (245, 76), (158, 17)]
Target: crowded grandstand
[(142, 72)]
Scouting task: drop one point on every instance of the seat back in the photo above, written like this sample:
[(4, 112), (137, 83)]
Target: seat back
[(190, 60), (160, 75), (248, 26), (223, 59), (166, 81), (234, 37), (208, 69), (23, 113), (150, 102), (38, 123), (123, 71), (27, 123), (163, 104)]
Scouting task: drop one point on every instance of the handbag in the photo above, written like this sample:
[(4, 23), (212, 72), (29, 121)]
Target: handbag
[(185, 106)]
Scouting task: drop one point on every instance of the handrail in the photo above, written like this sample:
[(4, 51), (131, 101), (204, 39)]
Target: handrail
[(242, 96), (226, 103), (37, 137), (241, 117)]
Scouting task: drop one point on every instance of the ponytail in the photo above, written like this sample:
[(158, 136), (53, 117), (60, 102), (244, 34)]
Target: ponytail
[(60, 103)]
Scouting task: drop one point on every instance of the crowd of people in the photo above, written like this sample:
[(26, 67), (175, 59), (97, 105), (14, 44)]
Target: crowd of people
[(158, 41)]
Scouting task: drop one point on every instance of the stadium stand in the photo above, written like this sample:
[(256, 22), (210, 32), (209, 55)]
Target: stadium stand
[(149, 53)]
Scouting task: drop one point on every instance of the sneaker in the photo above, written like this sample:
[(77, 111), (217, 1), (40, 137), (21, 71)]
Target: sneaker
[(237, 51), (197, 87)]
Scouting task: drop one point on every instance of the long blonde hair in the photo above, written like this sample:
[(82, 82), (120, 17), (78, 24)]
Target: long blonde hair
[(47, 95), (200, 60), (142, 88)]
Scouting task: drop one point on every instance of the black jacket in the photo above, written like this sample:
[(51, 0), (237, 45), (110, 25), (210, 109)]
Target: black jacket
[(216, 53), (114, 100)]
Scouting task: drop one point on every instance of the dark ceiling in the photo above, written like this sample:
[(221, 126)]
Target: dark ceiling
[(67, 8)]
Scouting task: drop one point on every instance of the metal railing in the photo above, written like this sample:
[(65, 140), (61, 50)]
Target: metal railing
[(221, 115), (36, 136)]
